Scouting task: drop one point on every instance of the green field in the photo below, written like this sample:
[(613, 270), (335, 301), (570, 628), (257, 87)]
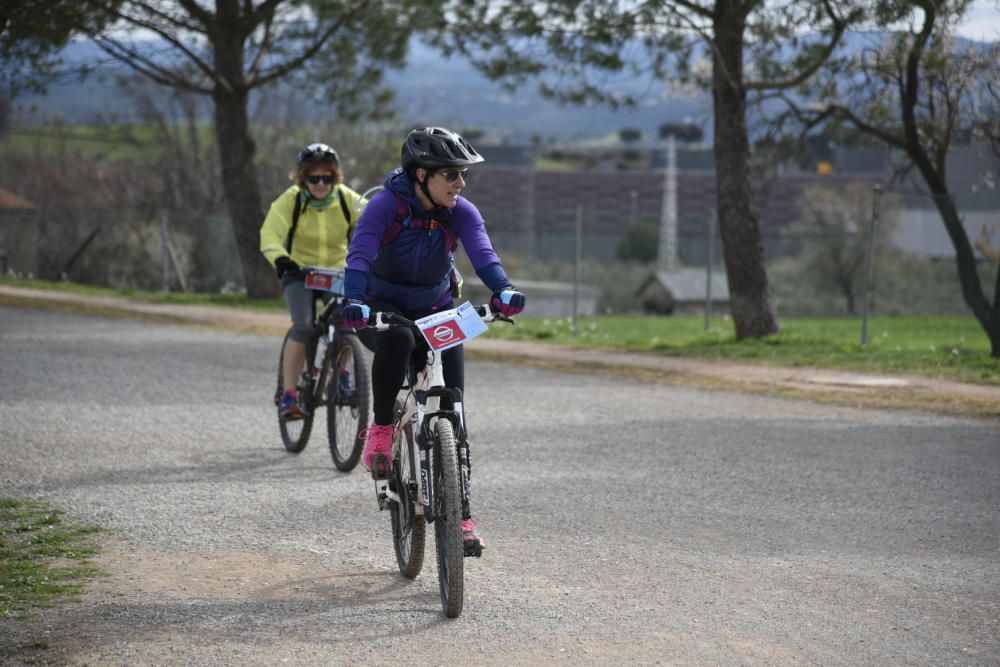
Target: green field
[(112, 141), (950, 347)]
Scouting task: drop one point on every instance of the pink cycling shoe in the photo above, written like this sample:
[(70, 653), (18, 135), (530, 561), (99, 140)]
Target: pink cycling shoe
[(377, 456)]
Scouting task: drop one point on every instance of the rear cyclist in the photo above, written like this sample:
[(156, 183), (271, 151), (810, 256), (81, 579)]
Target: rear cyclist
[(308, 224), (401, 260)]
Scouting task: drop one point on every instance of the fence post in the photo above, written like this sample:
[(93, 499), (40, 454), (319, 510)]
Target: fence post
[(870, 263), (164, 251), (708, 272), (576, 268)]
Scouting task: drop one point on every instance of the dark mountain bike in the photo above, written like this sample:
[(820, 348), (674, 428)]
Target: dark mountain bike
[(429, 482), (335, 376)]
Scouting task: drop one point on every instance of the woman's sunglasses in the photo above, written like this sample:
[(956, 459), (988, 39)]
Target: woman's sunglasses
[(325, 178), (451, 175)]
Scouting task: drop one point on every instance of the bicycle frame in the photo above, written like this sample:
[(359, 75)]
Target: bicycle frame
[(324, 321), (422, 409), (422, 394)]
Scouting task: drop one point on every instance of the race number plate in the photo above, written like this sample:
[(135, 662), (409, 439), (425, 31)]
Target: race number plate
[(326, 280), (453, 327)]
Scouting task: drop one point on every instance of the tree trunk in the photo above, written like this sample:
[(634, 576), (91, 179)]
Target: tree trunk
[(236, 154), (972, 290), (933, 174), (847, 290), (749, 300), (241, 191)]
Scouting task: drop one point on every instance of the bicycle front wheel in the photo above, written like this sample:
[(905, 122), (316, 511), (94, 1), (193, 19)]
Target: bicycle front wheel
[(447, 518), (408, 529), (347, 403), (294, 432)]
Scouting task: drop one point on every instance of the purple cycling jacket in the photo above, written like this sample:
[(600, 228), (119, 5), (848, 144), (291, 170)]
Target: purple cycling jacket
[(413, 270)]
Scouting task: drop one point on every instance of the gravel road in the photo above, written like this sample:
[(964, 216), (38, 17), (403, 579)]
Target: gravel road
[(626, 523)]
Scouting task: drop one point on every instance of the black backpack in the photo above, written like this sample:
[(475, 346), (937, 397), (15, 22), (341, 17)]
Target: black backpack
[(299, 207)]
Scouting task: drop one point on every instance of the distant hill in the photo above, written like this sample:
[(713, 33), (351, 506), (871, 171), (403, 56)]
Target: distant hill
[(430, 89), (439, 90)]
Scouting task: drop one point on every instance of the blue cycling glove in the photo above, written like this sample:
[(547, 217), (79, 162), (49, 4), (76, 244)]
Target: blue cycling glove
[(355, 314), (509, 302)]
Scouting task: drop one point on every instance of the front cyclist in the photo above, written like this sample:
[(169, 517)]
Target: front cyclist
[(310, 223), (401, 260)]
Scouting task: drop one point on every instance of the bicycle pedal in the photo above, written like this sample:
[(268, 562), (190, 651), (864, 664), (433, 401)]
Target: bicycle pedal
[(472, 550), (381, 467)]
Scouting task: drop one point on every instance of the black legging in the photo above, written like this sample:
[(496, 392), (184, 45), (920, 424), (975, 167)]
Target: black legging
[(392, 352)]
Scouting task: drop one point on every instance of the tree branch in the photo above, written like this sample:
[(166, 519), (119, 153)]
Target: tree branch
[(145, 66), (839, 26), (265, 12), (204, 17), (284, 68), (910, 84), (812, 118), (700, 10), (152, 10), (265, 41), (166, 35)]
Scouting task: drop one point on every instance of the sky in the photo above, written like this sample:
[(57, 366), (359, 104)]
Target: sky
[(982, 22)]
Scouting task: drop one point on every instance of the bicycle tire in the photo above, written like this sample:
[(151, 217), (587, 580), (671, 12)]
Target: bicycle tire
[(347, 414), (448, 519), (294, 432), (408, 529)]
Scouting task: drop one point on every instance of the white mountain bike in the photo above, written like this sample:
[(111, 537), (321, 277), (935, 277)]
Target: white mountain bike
[(429, 481)]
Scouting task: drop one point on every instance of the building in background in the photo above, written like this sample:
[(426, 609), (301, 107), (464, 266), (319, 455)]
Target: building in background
[(531, 211)]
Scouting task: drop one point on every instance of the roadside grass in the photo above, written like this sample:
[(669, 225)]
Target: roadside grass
[(113, 141), (215, 299), (947, 347), (43, 561)]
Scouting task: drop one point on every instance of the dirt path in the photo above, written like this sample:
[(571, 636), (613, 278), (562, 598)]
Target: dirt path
[(815, 384)]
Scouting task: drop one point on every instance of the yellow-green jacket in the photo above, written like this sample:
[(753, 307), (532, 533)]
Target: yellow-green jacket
[(321, 236)]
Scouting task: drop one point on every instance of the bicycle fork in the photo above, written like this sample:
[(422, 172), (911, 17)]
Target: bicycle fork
[(464, 462), (457, 418)]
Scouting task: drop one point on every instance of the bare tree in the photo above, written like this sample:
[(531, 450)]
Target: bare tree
[(833, 231), (226, 51), (918, 91)]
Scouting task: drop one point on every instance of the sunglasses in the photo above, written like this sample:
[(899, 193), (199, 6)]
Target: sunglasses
[(451, 175), (325, 178)]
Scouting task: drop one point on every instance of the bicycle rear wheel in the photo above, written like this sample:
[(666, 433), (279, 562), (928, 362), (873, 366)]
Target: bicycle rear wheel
[(448, 518), (347, 402), (408, 529), (294, 432)]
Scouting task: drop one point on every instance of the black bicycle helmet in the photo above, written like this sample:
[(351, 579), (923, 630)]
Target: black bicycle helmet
[(317, 153), (435, 147)]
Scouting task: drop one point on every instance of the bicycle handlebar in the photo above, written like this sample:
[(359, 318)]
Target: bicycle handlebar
[(382, 321)]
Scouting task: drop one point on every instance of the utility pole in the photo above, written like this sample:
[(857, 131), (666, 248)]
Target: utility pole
[(666, 257)]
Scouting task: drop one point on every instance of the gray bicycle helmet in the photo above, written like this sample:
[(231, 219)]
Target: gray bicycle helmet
[(317, 153), (436, 147)]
